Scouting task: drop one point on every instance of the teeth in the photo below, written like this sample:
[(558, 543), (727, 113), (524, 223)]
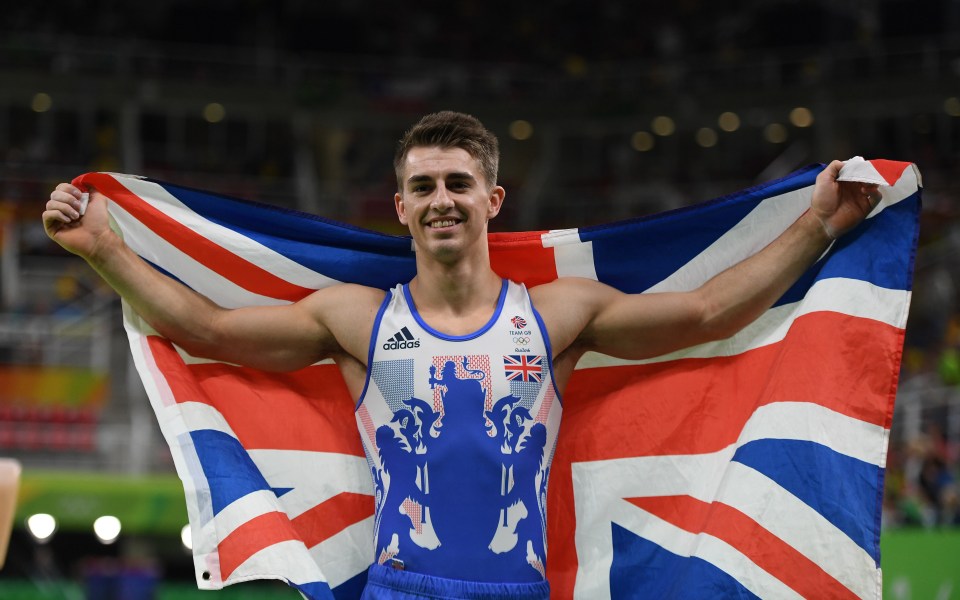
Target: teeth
[(437, 224)]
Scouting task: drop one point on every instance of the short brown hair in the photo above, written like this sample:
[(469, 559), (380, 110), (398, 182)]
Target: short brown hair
[(449, 129)]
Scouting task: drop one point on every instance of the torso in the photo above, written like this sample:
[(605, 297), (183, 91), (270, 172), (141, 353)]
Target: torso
[(459, 432)]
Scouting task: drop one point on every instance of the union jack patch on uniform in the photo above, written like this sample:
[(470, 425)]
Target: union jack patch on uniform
[(523, 367)]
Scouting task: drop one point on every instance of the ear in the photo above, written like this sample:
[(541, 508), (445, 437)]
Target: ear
[(401, 208), (497, 194)]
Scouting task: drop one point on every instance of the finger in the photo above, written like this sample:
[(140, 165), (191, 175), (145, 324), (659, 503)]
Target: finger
[(65, 208), (52, 217), (833, 169), (872, 193), (66, 197), (69, 188)]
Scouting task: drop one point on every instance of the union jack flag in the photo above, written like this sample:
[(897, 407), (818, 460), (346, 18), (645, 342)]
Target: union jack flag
[(523, 367), (518, 322), (711, 472)]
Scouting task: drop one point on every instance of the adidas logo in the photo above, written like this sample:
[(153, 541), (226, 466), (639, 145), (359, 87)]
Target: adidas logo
[(401, 340)]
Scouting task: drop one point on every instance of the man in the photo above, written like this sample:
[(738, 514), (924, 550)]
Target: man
[(460, 458)]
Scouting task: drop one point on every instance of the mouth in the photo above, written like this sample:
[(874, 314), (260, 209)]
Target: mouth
[(443, 223)]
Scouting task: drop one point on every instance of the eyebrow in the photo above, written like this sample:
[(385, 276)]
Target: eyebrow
[(456, 175)]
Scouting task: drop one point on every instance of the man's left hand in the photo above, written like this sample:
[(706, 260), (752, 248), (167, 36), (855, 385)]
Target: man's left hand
[(842, 205)]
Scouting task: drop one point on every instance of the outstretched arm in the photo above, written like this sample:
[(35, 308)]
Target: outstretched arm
[(274, 338), (593, 316)]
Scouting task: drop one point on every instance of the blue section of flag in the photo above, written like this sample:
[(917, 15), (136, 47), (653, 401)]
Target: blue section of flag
[(841, 488), (886, 245), (228, 468), (643, 569), (628, 255), (318, 591), (352, 588), (883, 243), (349, 253)]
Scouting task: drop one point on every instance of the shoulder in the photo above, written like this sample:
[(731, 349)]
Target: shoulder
[(346, 301), (568, 306), (578, 291)]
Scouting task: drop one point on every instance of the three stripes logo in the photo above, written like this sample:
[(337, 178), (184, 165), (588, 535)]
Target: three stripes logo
[(401, 340)]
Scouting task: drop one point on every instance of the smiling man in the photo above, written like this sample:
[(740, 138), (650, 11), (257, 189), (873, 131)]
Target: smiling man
[(459, 372)]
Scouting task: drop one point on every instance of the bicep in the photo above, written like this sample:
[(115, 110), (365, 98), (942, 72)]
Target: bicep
[(637, 326), (276, 338)]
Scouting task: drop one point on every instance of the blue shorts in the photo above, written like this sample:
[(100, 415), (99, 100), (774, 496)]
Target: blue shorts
[(387, 583)]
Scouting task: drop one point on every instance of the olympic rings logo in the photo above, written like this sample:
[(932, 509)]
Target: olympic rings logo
[(523, 341)]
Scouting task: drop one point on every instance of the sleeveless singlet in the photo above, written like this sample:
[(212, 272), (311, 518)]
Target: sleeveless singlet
[(459, 432)]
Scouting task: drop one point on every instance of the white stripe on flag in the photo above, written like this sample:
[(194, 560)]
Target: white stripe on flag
[(250, 250), (154, 382), (810, 422), (346, 554), (845, 296), (288, 558), (241, 510), (593, 575), (285, 469), (786, 516), (573, 257), (746, 238), (157, 250), (188, 416)]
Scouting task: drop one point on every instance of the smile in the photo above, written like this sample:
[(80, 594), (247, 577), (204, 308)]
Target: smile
[(443, 223)]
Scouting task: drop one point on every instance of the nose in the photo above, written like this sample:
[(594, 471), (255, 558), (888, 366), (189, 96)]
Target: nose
[(441, 199)]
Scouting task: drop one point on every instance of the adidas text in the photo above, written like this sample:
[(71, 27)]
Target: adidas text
[(401, 345)]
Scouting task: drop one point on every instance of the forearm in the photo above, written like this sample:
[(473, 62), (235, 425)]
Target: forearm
[(736, 297), (173, 309)]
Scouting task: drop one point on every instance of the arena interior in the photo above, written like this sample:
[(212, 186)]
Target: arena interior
[(605, 110)]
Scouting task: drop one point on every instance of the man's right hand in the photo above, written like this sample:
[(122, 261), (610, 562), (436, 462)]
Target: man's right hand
[(80, 234)]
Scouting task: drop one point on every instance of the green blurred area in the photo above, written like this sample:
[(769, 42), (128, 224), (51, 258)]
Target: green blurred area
[(920, 564), (144, 504), (27, 590), (917, 564)]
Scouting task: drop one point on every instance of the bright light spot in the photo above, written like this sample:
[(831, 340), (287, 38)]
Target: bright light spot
[(107, 528), (775, 133), (729, 121), (663, 126), (41, 102), (706, 137), (641, 141), (41, 526), (952, 106), (521, 130), (186, 538), (214, 112), (801, 116)]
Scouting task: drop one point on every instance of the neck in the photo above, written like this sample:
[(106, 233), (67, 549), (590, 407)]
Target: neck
[(457, 289)]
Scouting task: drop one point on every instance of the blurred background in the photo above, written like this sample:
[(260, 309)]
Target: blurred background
[(605, 110)]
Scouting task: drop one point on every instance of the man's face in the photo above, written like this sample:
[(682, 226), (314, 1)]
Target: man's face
[(445, 201)]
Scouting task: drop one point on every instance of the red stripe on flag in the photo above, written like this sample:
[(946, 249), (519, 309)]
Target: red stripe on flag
[(766, 550), (220, 260), (251, 537), (276, 411), (694, 406), (522, 258), (890, 170), (333, 516)]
